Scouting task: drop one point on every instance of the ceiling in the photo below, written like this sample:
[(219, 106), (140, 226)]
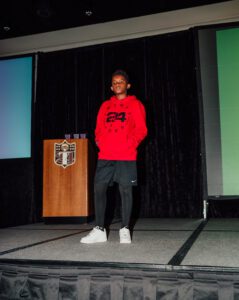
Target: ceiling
[(24, 17)]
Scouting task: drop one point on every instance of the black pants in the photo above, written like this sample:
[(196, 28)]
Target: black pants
[(101, 198), (107, 172)]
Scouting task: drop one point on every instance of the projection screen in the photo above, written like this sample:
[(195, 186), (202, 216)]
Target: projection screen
[(219, 73), (16, 105)]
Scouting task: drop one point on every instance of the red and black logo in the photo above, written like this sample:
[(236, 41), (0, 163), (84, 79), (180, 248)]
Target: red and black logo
[(116, 116)]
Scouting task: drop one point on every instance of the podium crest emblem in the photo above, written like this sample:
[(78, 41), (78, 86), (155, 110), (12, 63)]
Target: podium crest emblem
[(64, 154)]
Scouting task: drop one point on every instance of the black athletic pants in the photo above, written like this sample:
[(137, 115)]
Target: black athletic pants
[(100, 191)]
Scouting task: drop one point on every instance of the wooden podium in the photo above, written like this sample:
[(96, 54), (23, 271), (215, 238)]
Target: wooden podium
[(68, 172)]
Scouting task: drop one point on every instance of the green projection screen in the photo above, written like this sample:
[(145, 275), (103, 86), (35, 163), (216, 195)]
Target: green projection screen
[(15, 107), (228, 83), (219, 71)]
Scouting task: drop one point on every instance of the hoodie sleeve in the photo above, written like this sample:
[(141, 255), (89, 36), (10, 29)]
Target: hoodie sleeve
[(139, 131), (99, 123)]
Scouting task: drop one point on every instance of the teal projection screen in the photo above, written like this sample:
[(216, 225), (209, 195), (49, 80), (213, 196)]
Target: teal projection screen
[(15, 107), (219, 65)]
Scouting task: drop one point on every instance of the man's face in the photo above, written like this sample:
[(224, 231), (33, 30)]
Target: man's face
[(119, 85)]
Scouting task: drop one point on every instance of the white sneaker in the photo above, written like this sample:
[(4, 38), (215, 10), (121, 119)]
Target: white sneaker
[(96, 235), (124, 234)]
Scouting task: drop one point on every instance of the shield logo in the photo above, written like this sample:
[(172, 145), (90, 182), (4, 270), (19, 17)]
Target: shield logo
[(64, 154)]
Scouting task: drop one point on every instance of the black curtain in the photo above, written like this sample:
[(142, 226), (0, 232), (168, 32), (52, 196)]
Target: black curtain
[(69, 93), (173, 168), (17, 201), (72, 84)]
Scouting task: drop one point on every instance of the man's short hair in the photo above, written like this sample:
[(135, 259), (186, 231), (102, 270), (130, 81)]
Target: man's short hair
[(122, 73)]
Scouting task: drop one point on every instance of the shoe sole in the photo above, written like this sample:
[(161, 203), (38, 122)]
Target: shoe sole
[(125, 242), (93, 242)]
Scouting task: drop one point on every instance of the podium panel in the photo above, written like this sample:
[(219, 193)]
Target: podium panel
[(68, 178)]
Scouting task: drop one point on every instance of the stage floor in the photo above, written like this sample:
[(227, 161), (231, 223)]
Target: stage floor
[(155, 242)]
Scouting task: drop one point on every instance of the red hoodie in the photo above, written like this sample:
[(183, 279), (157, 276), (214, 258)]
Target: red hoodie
[(120, 128)]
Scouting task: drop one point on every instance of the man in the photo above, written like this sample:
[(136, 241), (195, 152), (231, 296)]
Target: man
[(119, 130)]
